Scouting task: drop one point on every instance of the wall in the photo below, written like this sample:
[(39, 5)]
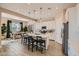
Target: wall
[(58, 29), (25, 23), (57, 25), (0, 27), (73, 42), (50, 25), (3, 20)]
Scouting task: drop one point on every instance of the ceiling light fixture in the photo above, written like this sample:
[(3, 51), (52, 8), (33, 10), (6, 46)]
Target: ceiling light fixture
[(28, 3), (29, 12), (34, 11), (56, 7), (40, 13), (40, 8), (49, 8)]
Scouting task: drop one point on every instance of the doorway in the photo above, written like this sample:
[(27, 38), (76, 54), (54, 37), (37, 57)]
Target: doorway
[(65, 37)]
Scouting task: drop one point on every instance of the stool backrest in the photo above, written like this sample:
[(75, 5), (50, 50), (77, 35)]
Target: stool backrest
[(30, 38), (38, 37)]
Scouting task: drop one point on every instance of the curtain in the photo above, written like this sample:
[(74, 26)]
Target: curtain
[(21, 26), (8, 28)]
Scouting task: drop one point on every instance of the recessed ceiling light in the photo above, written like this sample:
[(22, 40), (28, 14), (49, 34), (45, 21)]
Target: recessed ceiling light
[(40, 8), (35, 12), (49, 8), (56, 7), (28, 3), (29, 12)]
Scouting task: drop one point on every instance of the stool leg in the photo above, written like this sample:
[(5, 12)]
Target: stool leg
[(36, 46), (28, 44), (32, 46)]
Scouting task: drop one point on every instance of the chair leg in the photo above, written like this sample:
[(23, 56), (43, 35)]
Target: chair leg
[(37, 46), (32, 46), (41, 50), (42, 46), (28, 45)]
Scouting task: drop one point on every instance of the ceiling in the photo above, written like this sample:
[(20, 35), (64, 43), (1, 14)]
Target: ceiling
[(39, 11), (12, 17)]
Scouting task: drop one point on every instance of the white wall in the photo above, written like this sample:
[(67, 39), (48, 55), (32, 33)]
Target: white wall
[(3, 21), (50, 25), (57, 25), (73, 42)]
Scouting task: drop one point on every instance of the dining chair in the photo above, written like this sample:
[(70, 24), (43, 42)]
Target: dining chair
[(32, 43), (41, 44)]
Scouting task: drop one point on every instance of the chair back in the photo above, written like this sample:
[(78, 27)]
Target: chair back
[(38, 37), (30, 38)]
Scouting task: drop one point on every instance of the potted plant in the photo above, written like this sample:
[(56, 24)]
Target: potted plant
[(25, 29), (3, 29)]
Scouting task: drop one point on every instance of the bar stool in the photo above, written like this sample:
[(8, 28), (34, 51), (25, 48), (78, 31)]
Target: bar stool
[(41, 44), (31, 42)]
